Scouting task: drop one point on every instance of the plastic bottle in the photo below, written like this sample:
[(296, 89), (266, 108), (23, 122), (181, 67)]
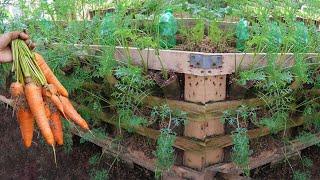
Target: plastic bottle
[(242, 33), (167, 29), (108, 25)]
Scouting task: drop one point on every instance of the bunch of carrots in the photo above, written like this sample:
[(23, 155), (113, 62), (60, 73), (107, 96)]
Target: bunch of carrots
[(39, 97)]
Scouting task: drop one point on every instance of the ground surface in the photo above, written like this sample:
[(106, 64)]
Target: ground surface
[(38, 163)]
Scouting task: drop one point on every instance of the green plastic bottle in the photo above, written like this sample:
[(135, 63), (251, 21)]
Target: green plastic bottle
[(167, 29), (242, 32), (108, 25)]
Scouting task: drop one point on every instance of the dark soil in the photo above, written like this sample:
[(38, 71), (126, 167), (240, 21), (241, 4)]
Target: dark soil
[(37, 162), (284, 169), (205, 45)]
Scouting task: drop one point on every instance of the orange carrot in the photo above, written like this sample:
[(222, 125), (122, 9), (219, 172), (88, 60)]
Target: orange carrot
[(34, 98), (56, 101), (25, 119), (51, 92), (72, 114), (47, 109), (52, 89), (56, 127), (16, 89), (51, 78)]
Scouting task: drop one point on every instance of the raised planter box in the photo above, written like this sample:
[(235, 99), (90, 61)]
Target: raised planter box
[(204, 142)]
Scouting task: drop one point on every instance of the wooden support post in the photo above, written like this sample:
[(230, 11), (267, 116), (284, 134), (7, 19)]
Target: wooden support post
[(203, 129), (204, 89), (200, 159)]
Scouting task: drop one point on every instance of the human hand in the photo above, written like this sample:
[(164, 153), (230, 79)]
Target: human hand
[(5, 44)]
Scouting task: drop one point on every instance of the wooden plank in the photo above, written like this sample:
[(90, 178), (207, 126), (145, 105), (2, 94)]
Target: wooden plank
[(200, 108), (137, 157), (225, 141), (253, 60), (180, 143), (269, 156), (177, 61)]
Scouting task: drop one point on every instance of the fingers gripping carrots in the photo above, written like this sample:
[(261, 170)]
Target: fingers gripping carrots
[(40, 97)]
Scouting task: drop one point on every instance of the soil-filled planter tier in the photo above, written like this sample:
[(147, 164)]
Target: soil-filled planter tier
[(205, 74)]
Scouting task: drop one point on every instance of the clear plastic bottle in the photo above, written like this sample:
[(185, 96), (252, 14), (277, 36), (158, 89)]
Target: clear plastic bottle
[(167, 29), (242, 32)]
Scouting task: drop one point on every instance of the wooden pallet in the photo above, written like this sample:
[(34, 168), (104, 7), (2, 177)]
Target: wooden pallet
[(192, 145), (205, 98), (181, 172)]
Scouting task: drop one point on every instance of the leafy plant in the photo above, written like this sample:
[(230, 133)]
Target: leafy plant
[(165, 152), (131, 89), (164, 112), (240, 149), (300, 175), (99, 174), (94, 159), (67, 137)]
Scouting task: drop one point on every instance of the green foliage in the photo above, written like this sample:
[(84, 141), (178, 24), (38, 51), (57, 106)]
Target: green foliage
[(215, 33), (251, 75), (129, 92), (94, 159), (196, 33), (240, 150), (67, 137), (163, 112), (300, 175), (98, 133), (307, 162), (305, 173), (165, 152), (276, 122), (127, 117), (242, 114), (98, 174), (306, 137), (5, 70)]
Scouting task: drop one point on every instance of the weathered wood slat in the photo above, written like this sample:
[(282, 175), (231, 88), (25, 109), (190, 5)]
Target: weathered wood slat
[(136, 157), (202, 109), (179, 61), (225, 141), (258, 60), (268, 156), (181, 142), (229, 168)]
